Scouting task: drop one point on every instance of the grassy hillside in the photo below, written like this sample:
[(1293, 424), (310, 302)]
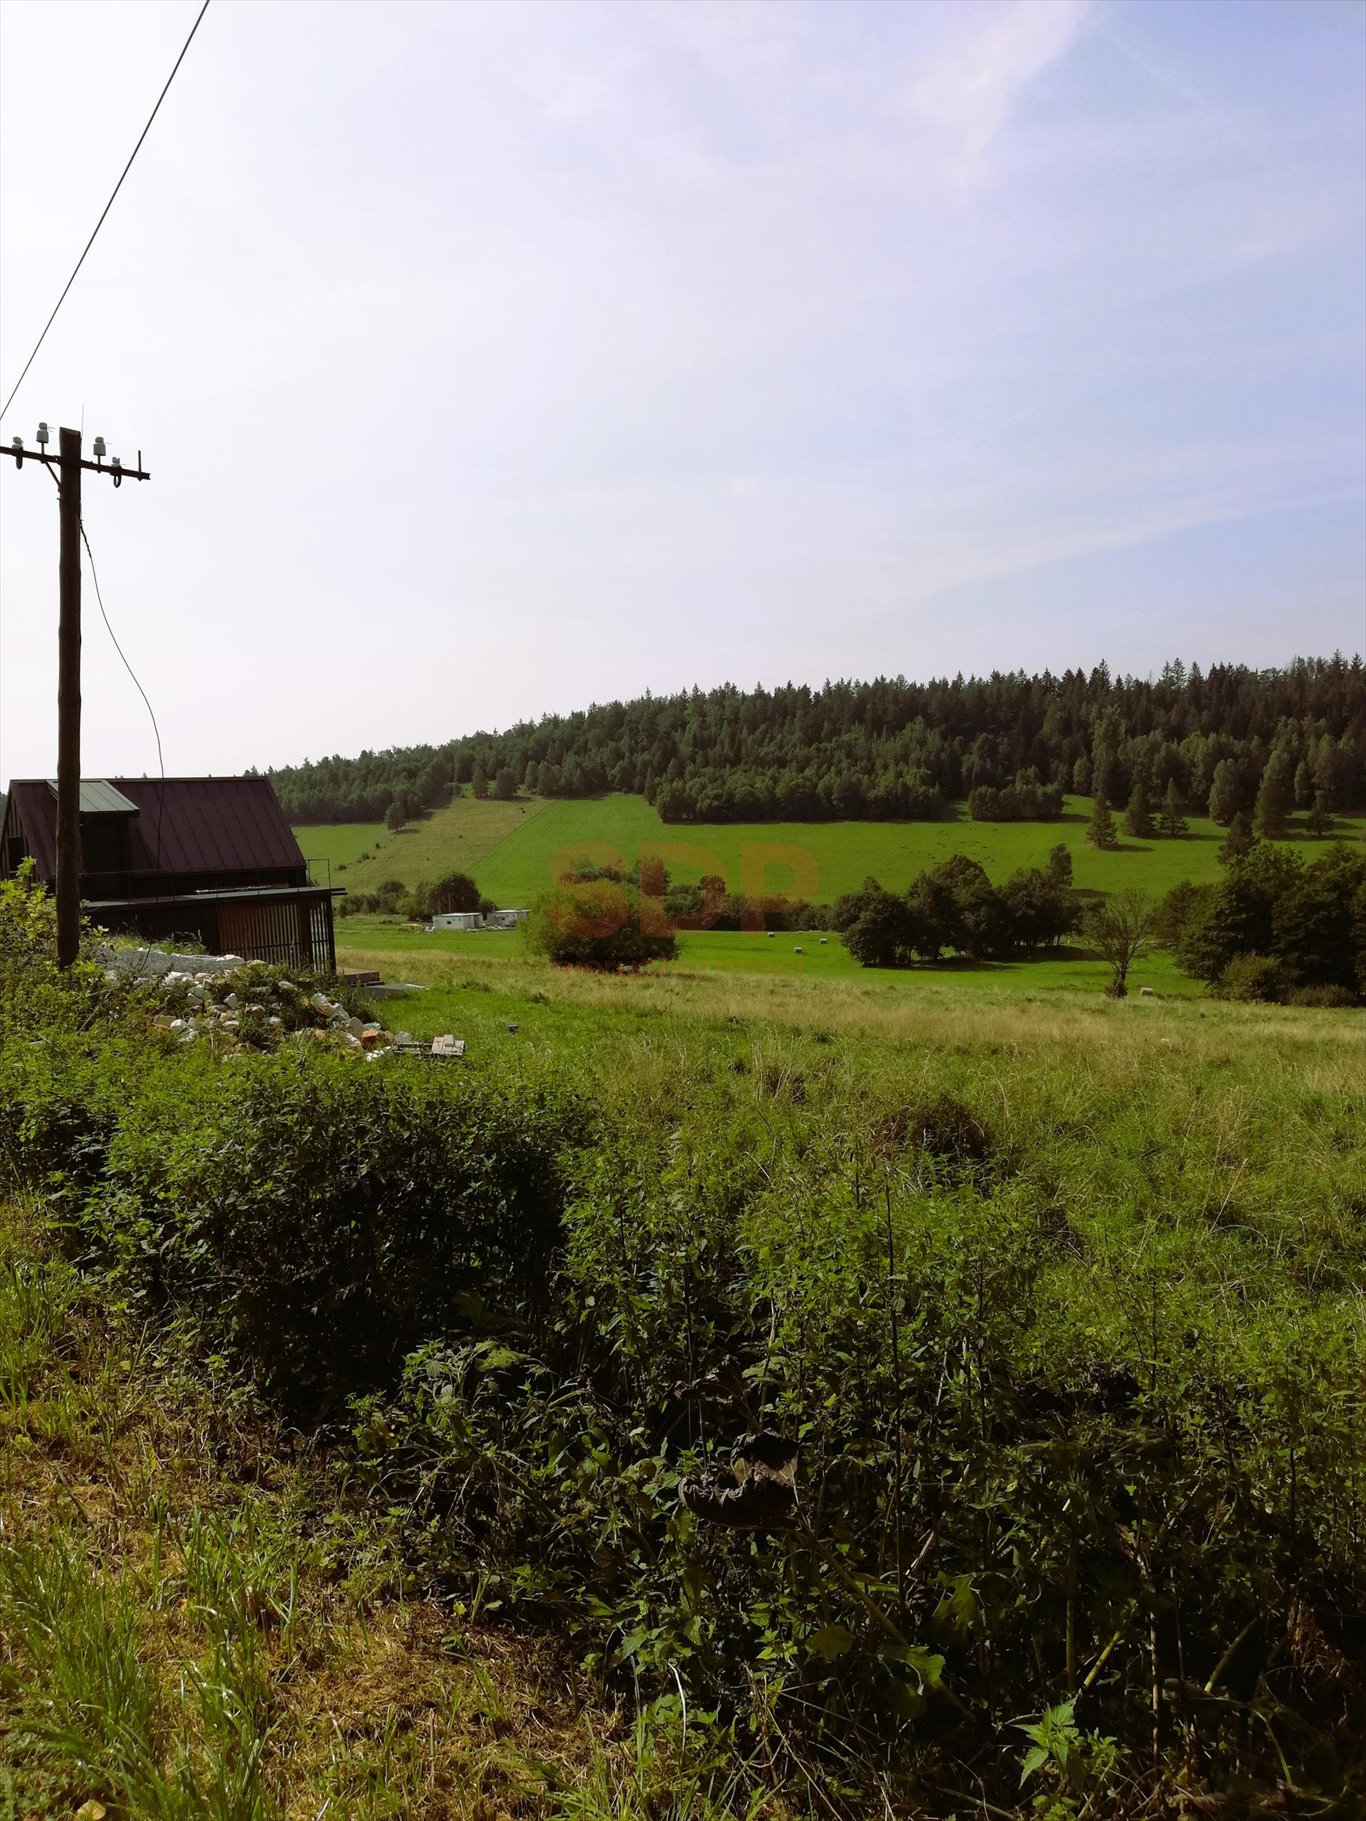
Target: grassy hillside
[(340, 842), (459, 838), (516, 850)]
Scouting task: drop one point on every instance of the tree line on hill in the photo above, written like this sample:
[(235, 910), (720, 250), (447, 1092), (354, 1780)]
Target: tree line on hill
[(1008, 746)]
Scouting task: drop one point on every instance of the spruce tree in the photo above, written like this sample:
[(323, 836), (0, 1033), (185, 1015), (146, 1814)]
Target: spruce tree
[(1320, 819), (1225, 793), (1274, 797), (1239, 840), (1172, 821), (1138, 819), (1101, 831)]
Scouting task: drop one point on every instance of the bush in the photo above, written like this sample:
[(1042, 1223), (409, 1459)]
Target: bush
[(320, 1218), (1253, 977), (33, 990), (601, 923), (1322, 998), (60, 1104)]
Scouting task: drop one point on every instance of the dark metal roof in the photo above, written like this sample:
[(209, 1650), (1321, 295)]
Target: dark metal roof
[(265, 894), (187, 825)]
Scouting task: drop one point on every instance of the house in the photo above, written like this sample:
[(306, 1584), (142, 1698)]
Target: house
[(457, 920), (211, 859), (505, 919)]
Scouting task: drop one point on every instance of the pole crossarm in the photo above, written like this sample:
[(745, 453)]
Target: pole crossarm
[(20, 456)]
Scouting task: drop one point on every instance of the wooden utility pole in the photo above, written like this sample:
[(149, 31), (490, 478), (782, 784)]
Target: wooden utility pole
[(69, 705), (69, 463)]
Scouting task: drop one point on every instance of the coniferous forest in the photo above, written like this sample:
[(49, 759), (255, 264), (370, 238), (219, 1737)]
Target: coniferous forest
[(1007, 746)]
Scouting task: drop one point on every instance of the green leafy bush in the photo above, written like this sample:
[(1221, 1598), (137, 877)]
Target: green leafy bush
[(321, 1217), (1322, 998), (1253, 977), (600, 923)]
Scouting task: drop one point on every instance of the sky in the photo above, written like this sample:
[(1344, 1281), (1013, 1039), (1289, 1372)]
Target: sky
[(493, 360)]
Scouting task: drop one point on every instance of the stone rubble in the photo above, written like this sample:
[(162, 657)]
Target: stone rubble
[(204, 1011)]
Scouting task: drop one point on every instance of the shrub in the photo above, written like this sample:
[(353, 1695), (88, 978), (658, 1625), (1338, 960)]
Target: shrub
[(320, 1218), (1322, 998), (33, 990), (1253, 977), (60, 1104), (601, 923)]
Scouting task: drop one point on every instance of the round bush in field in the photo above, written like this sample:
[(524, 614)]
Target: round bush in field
[(601, 922)]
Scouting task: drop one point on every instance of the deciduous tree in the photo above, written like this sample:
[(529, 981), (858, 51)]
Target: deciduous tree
[(1122, 927)]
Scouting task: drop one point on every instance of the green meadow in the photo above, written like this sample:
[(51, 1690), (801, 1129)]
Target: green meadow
[(393, 946), (517, 850)]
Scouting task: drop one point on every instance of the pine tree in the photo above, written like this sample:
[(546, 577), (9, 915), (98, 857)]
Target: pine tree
[(1101, 831), (1274, 797), (1138, 819), (1172, 821), (1320, 819), (1060, 864), (479, 784), (1239, 840), (1225, 793)]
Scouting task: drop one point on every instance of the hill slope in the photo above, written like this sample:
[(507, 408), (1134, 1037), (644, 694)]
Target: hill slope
[(516, 850)]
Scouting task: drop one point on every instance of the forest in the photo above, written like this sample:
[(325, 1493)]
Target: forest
[(1007, 746)]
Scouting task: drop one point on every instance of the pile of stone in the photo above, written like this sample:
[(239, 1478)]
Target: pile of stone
[(255, 1007)]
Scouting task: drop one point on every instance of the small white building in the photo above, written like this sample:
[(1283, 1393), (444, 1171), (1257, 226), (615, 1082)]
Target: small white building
[(506, 919), (457, 920)]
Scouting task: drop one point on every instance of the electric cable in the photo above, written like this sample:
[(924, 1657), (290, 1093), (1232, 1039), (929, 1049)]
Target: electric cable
[(108, 205), (161, 763)]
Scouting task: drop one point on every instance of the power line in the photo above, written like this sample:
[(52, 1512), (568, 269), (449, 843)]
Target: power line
[(137, 685), (161, 762), (100, 223)]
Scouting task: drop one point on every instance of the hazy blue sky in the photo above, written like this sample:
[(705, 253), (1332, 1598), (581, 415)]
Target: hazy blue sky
[(498, 359)]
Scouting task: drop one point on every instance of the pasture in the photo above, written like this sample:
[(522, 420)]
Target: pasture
[(396, 948), (340, 843), (517, 850)]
